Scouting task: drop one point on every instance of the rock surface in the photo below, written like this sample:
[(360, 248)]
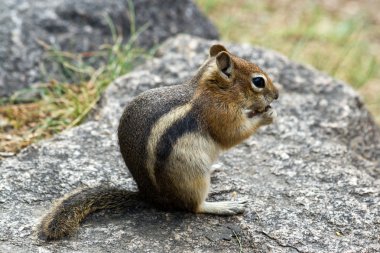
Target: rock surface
[(81, 26), (312, 178)]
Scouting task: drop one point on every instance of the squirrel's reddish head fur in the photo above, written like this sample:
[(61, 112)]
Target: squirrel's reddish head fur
[(235, 90)]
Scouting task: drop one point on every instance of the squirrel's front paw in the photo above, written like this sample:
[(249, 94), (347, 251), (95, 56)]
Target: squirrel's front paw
[(268, 116)]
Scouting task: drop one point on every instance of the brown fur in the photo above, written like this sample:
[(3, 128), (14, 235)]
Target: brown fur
[(69, 211), (221, 107), (169, 137)]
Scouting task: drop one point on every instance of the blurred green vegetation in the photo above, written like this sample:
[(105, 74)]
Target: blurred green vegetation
[(338, 37)]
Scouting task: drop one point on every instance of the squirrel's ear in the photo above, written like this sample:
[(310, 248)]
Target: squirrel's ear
[(216, 49), (224, 63)]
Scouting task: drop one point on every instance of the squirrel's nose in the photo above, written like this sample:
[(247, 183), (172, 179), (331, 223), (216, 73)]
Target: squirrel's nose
[(276, 95)]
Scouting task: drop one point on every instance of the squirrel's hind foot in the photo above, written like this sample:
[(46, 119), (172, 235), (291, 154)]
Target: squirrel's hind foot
[(223, 207)]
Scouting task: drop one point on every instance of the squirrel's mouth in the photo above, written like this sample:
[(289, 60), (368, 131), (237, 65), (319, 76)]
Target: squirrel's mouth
[(255, 112)]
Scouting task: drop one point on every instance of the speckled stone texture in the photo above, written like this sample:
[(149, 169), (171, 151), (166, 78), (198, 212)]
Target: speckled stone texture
[(312, 178), (82, 26)]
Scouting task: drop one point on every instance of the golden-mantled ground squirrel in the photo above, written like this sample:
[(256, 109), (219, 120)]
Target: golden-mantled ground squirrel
[(169, 137)]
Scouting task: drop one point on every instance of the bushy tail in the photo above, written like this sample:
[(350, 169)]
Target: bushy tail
[(69, 211)]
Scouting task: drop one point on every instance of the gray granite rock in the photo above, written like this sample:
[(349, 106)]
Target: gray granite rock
[(312, 178), (81, 26)]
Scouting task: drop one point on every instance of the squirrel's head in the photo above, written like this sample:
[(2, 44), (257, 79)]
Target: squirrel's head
[(233, 80)]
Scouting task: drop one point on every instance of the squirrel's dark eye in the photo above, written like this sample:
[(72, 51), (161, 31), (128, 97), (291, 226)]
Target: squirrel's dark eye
[(259, 82)]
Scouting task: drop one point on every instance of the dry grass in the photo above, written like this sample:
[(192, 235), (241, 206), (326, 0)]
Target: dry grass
[(61, 104), (340, 37)]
